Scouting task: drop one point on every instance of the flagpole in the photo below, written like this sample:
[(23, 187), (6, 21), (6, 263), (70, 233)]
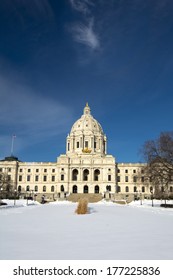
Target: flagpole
[(12, 144)]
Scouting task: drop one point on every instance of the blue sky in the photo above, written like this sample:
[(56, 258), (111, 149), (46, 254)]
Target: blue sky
[(55, 56)]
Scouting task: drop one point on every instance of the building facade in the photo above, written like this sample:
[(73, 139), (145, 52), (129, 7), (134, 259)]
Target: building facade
[(85, 168)]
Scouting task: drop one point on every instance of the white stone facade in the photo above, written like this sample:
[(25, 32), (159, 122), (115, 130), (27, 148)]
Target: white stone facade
[(85, 168)]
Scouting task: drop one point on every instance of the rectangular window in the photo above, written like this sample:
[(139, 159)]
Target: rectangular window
[(118, 178), (134, 170), (134, 179), (20, 178), (44, 178), (36, 178), (109, 177), (29, 170), (45, 170), (126, 179), (28, 178), (9, 169), (86, 144), (53, 178), (53, 170), (20, 170), (37, 170), (126, 171), (62, 177), (95, 145), (77, 144), (0, 169), (142, 179)]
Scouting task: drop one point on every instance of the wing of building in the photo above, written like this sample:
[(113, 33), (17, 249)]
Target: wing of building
[(85, 168)]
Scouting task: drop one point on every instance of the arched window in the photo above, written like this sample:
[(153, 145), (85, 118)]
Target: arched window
[(143, 189), (62, 188), (171, 189), (85, 190), (74, 189), (85, 175), (52, 188), (27, 188), (127, 189), (44, 188), (108, 188), (74, 175), (19, 188), (96, 174), (96, 189), (36, 188)]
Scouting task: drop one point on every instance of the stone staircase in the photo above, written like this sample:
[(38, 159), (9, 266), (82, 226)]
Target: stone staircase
[(74, 197)]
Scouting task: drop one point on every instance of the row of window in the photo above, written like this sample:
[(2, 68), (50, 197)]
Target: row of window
[(126, 179), (38, 170), (28, 178), (127, 171)]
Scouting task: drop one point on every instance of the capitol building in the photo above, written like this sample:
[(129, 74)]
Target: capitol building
[(86, 168)]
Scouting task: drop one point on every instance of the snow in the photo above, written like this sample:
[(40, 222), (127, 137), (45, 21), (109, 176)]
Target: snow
[(109, 231)]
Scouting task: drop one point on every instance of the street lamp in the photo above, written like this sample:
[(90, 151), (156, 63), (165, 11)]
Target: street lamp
[(152, 198), (15, 197)]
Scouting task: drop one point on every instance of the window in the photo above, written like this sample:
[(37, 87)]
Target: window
[(62, 177), (0, 169), (53, 178), (62, 188), (134, 179), (85, 175), (118, 170), (27, 188), (95, 145), (53, 170), (126, 170), (143, 189), (36, 188), (77, 144), (9, 169), (74, 175), (134, 170), (135, 189), (126, 179), (109, 177), (74, 189), (37, 170), (36, 178), (108, 188), (142, 179), (29, 170), (28, 178), (171, 189), (118, 189), (68, 146), (19, 188), (52, 188), (44, 178), (20, 170), (86, 144), (118, 179), (45, 170), (44, 188), (96, 189), (127, 189), (20, 178), (85, 190), (96, 174)]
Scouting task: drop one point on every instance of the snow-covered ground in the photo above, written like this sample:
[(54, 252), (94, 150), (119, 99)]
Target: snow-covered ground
[(109, 231)]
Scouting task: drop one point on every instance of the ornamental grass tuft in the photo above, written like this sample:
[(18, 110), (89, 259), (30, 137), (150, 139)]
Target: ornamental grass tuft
[(82, 207)]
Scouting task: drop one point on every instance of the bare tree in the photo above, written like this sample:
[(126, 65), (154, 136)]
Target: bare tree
[(158, 155), (6, 186)]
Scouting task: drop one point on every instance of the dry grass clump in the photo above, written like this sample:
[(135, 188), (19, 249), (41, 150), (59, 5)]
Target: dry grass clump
[(82, 207)]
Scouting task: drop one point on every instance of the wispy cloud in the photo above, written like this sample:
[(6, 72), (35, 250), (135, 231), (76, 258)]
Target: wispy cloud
[(32, 117), (82, 6), (84, 34)]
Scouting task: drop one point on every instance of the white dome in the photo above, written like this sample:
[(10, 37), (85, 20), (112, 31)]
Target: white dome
[(86, 124), (86, 136)]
